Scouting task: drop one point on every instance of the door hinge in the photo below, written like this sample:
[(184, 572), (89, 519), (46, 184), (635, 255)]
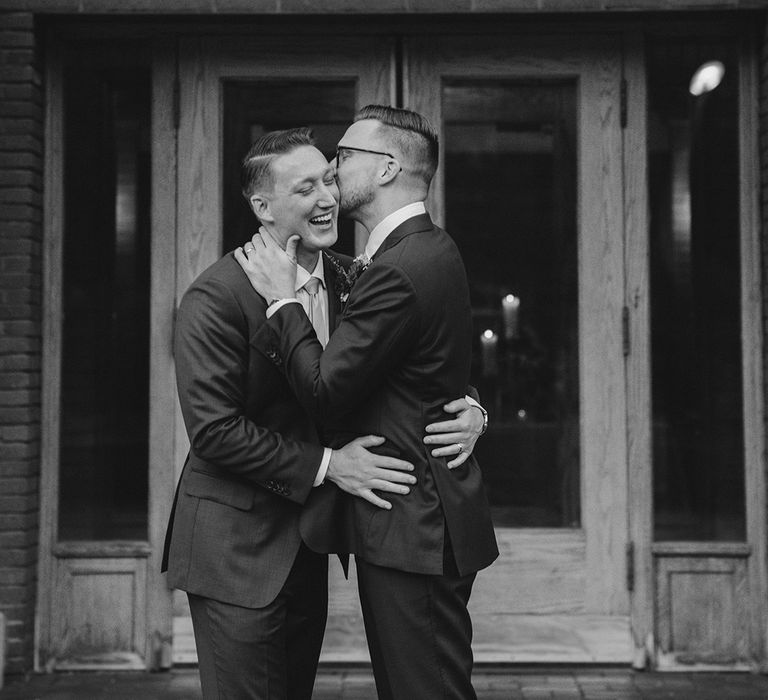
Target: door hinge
[(630, 566), (623, 99), (625, 330), (176, 103)]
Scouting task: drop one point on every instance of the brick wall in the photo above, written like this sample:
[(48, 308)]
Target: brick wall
[(21, 151)]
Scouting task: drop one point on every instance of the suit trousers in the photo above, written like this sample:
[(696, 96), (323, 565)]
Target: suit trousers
[(419, 632), (268, 653)]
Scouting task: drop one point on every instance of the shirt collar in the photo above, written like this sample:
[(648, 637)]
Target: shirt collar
[(302, 276), (390, 223)]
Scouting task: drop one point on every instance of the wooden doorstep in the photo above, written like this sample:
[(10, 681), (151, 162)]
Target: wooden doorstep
[(500, 638)]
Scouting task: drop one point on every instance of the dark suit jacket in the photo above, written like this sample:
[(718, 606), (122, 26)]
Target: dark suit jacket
[(234, 529), (400, 352)]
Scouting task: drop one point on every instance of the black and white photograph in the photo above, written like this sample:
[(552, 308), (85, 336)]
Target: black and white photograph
[(383, 350)]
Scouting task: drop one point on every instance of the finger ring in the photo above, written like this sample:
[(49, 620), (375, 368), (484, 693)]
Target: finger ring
[(248, 250), (460, 445)]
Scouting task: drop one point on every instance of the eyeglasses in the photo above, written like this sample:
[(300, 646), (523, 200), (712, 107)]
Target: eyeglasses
[(339, 149)]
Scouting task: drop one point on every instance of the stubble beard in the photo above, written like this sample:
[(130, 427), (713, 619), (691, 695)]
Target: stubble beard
[(351, 200)]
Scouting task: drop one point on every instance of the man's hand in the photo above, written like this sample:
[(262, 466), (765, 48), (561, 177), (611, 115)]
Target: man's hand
[(358, 471), (270, 269), (459, 435)]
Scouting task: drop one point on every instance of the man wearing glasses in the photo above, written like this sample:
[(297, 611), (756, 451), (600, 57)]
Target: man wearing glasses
[(401, 349)]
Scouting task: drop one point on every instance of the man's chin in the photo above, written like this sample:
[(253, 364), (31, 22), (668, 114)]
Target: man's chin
[(322, 242)]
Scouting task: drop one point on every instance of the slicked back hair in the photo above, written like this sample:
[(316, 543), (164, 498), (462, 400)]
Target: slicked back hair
[(411, 134), (256, 171)]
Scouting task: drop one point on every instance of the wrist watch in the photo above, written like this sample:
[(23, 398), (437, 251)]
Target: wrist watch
[(485, 417)]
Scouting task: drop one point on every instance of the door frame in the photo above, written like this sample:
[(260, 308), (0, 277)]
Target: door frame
[(593, 607), (654, 562), (62, 564), (204, 63)]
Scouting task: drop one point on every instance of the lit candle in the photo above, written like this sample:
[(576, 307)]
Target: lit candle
[(488, 343), (510, 306)]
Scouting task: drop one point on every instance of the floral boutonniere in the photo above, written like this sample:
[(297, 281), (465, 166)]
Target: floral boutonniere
[(345, 279)]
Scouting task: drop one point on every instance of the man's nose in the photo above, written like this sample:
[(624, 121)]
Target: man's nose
[(327, 196)]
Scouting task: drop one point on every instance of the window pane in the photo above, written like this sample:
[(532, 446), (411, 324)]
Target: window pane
[(510, 161), (105, 362), (255, 107), (695, 295)]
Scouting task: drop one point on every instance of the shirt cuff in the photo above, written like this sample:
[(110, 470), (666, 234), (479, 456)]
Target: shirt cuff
[(477, 405), (324, 462), (278, 304), (469, 400)]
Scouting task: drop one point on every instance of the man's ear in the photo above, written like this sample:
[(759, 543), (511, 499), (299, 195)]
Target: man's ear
[(390, 171), (260, 206)]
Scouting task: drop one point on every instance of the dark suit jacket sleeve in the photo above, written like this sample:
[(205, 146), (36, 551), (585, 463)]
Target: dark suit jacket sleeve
[(211, 352), (378, 328)]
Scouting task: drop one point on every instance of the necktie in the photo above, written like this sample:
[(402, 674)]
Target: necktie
[(315, 310)]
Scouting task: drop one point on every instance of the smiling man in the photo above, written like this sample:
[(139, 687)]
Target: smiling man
[(257, 593)]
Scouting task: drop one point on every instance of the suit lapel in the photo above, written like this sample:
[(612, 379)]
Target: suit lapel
[(415, 224)]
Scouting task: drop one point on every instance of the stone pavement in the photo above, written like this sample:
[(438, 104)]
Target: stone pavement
[(505, 684)]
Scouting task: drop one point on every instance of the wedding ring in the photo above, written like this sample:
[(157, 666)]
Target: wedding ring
[(248, 250), (460, 445)]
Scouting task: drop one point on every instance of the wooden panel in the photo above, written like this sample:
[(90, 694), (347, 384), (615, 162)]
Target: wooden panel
[(198, 192), (506, 638), (702, 613), (601, 294), (53, 240), (100, 615), (344, 634), (538, 571), (638, 365), (519, 639), (753, 351), (162, 385)]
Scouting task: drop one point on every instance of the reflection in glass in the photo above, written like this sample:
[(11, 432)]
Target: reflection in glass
[(253, 108), (105, 359), (698, 463), (510, 164)]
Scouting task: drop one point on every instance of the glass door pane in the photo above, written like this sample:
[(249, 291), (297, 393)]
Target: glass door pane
[(693, 157), (103, 478), (510, 202)]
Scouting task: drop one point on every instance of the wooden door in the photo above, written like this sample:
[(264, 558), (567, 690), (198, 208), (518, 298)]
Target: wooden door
[(512, 112), (231, 90), (105, 483)]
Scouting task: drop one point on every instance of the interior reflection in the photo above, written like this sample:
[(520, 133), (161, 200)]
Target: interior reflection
[(105, 359), (698, 463), (510, 164)]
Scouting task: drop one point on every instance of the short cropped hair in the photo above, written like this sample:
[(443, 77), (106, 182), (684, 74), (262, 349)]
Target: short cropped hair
[(256, 171), (411, 134)]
